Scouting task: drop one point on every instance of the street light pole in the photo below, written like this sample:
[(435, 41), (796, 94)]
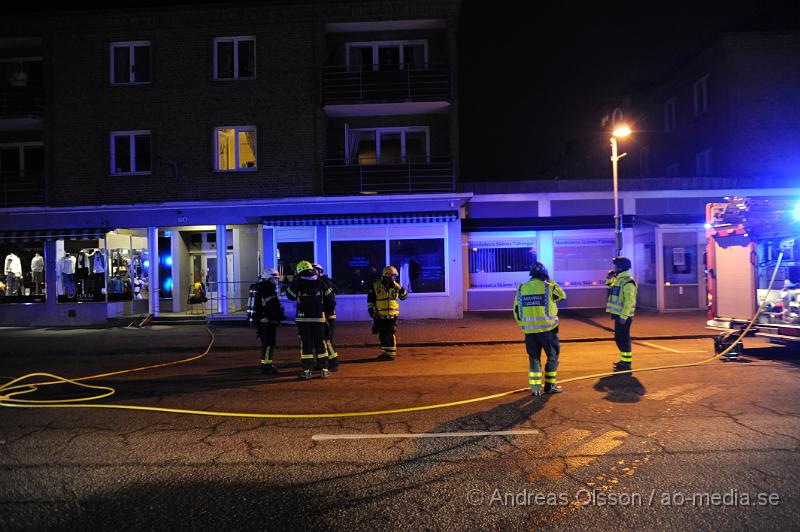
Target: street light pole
[(621, 131)]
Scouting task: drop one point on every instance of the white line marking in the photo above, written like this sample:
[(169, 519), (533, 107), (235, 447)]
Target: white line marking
[(321, 437), (648, 344)]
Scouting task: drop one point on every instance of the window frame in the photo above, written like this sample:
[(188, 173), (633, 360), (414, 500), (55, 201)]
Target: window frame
[(352, 158), (131, 45), (236, 130), (670, 116), (235, 40), (132, 136), (375, 45), (700, 96), (20, 146), (702, 163)]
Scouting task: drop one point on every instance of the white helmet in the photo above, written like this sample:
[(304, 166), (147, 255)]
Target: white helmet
[(271, 273)]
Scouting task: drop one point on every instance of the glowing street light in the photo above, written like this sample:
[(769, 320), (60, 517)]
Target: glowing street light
[(621, 131)]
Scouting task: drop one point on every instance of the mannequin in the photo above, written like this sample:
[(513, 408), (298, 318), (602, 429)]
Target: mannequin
[(13, 271), (68, 266), (37, 272), (98, 271), (82, 270), (138, 284)]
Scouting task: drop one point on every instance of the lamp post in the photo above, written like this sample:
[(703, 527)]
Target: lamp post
[(621, 131)]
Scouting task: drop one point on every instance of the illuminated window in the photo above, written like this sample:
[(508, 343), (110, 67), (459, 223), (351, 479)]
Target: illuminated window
[(236, 148), (130, 62), (235, 58), (700, 93), (131, 153), (388, 145)]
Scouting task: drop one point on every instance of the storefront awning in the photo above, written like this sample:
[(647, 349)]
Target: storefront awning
[(361, 219), (53, 234)]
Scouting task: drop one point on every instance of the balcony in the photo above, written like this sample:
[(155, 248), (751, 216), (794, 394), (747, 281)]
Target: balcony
[(414, 177), (18, 190), (425, 88), (19, 102)]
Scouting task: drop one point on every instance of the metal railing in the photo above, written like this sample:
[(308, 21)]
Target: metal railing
[(393, 83), (434, 174), (18, 190), (21, 101)]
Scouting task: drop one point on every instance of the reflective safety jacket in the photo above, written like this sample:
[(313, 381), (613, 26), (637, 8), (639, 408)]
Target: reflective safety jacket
[(330, 294), (621, 295), (263, 305), (383, 301), (535, 306), (309, 292)]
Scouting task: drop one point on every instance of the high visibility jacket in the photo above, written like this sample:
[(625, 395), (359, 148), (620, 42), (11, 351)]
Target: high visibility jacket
[(621, 295), (311, 299), (385, 301), (263, 304), (535, 306)]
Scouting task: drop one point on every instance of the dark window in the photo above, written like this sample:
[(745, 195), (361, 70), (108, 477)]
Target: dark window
[(34, 161), (122, 154), (9, 161), (142, 152), (225, 60), (289, 254), (141, 63), (247, 58), (420, 263), (356, 264), (122, 64)]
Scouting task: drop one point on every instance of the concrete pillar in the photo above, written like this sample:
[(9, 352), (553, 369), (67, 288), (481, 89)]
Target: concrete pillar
[(269, 257), (153, 300), (222, 269), (321, 248)]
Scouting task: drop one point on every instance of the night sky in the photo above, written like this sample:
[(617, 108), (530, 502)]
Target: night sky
[(531, 79)]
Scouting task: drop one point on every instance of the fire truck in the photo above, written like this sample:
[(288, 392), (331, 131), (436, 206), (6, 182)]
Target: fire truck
[(747, 240)]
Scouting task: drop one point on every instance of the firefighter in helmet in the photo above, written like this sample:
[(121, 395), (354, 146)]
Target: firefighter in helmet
[(266, 311), (537, 315), (383, 304), (309, 292), (622, 305), (330, 317)]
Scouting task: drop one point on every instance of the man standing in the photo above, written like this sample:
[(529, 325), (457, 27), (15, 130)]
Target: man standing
[(622, 305), (384, 307), (330, 316), (536, 313), (309, 292), (265, 310)]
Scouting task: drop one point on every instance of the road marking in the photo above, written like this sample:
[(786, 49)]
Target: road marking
[(674, 390), (648, 344), (322, 437), (579, 457), (693, 397)]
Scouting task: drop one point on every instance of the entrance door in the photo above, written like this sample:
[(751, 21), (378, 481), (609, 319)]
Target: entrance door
[(204, 270)]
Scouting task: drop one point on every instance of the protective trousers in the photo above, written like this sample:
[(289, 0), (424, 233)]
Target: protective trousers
[(312, 342), (387, 327), (534, 343), (330, 329), (267, 332), (622, 336)]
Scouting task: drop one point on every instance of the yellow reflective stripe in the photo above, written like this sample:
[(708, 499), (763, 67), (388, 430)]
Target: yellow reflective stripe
[(310, 320), (550, 373), (305, 356)]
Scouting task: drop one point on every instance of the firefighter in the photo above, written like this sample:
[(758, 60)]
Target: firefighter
[(309, 292), (266, 311), (536, 313), (621, 305), (330, 317), (384, 307)]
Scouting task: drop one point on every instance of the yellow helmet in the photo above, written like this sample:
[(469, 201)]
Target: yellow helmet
[(389, 271), (302, 266)]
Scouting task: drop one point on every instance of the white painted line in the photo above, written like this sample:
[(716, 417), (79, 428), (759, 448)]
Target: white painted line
[(321, 437), (648, 344)]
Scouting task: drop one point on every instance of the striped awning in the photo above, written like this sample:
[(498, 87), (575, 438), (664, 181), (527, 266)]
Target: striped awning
[(53, 234), (361, 219)]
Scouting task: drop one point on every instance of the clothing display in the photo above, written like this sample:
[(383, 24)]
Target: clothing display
[(67, 265), (37, 273), (98, 262), (13, 272)]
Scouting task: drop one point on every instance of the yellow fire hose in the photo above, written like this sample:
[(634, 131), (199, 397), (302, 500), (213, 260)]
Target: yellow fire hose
[(11, 391)]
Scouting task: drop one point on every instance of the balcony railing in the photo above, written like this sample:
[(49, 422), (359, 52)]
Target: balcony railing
[(18, 102), (16, 190), (412, 177), (342, 86)]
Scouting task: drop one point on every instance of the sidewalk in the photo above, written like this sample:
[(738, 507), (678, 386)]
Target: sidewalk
[(475, 328)]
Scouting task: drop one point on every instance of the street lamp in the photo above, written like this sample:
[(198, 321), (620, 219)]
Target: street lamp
[(621, 131)]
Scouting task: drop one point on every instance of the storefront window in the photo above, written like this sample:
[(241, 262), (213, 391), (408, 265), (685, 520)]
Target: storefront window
[(81, 267), (582, 262), (680, 258), (119, 277), (500, 263), (356, 264), (289, 254), (23, 277), (420, 263)]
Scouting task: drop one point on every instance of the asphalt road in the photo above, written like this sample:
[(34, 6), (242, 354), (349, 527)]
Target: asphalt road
[(710, 447)]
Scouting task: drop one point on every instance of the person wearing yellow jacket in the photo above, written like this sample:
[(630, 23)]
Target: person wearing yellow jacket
[(536, 313), (383, 304), (622, 306)]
